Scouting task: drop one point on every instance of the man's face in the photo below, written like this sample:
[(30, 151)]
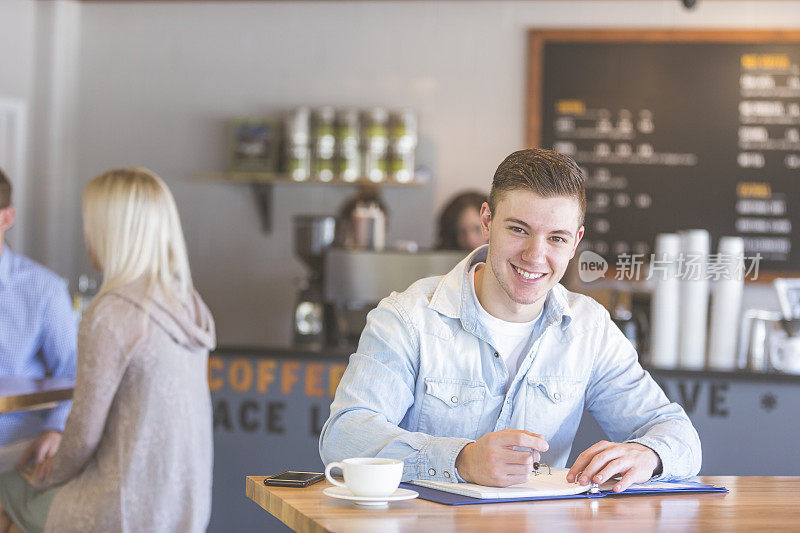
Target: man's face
[(7, 215), (531, 240)]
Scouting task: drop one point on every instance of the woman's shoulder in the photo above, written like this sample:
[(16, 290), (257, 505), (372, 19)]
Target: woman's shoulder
[(115, 310), (128, 310)]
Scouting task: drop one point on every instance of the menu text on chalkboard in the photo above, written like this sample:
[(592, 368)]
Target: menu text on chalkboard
[(676, 130)]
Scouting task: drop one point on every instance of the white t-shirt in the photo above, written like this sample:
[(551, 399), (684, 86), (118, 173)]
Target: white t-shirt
[(511, 339)]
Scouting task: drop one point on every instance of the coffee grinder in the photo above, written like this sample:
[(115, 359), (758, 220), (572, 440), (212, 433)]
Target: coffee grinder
[(314, 322)]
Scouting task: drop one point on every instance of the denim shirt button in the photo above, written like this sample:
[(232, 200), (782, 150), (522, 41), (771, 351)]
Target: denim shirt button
[(454, 399), (431, 472), (496, 354), (557, 396), (446, 474)]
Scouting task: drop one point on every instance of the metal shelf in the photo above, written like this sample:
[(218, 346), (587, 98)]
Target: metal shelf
[(262, 183), (248, 177)]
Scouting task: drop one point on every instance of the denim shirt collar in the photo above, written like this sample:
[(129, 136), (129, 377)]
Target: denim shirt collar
[(6, 258), (453, 297)]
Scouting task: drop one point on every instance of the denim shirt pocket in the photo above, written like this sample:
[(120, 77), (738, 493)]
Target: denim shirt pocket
[(551, 401), (452, 407)]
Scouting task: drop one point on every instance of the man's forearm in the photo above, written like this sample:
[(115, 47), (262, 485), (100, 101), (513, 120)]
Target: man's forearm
[(677, 446), (365, 433), (56, 418)]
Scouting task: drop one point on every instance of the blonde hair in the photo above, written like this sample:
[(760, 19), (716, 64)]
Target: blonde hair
[(131, 223)]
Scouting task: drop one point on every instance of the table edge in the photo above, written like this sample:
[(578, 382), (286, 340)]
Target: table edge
[(25, 401), (277, 507)]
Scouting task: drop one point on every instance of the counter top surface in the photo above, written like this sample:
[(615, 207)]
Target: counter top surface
[(340, 354), (281, 351), (753, 504), (17, 394)]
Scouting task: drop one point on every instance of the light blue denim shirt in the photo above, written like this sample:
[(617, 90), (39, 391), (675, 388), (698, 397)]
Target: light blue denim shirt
[(426, 381)]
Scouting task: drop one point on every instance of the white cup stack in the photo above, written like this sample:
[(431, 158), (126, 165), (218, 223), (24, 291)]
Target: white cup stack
[(695, 245), (726, 304), (664, 311)]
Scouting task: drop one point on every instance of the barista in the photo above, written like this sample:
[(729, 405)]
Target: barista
[(460, 223), (350, 234)]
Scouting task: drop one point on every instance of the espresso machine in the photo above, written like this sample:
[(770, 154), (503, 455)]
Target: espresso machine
[(313, 320), (356, 280), (345, 283)]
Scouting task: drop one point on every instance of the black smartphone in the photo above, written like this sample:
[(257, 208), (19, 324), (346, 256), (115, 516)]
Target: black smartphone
[(291, 478)]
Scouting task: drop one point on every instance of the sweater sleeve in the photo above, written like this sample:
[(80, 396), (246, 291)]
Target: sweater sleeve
[(101, 364)]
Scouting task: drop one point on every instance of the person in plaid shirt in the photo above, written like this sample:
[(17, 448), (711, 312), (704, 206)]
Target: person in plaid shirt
[(38, 338)]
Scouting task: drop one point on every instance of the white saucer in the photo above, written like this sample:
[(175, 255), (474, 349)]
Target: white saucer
[(342, 493)]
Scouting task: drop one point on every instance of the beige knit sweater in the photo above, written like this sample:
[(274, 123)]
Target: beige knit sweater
[(136, 454)]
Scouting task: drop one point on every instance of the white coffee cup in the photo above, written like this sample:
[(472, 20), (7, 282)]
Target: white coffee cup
[(368, 476)]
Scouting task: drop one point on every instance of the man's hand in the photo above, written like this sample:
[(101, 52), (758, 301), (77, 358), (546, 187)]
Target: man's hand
[(45, 446), (492, 460), (635, 462)]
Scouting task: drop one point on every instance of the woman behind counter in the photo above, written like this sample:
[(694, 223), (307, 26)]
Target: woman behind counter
[(136, 453), (460, 223)]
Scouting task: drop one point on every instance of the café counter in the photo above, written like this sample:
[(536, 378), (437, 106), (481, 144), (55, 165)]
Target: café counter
[(270, 404)]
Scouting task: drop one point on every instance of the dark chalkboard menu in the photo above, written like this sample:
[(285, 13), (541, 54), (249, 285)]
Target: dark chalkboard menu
[(676, 130)]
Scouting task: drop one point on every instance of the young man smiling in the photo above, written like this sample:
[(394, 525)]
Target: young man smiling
[(475, 375)]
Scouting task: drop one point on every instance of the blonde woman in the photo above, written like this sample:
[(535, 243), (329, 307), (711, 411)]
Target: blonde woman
[(136, 453)]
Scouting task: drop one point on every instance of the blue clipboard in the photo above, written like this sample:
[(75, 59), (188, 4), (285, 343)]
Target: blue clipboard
[(448, 498)]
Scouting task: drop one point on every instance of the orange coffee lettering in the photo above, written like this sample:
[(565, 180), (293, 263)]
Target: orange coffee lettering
[(289, 375), (314, 380), (334, 377), (214, 383), (265, 374), (240, 375)]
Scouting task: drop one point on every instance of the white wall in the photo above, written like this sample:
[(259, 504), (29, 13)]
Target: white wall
[(52, 232), (157, 80), (17, 63), (17, 29), (39, 60)]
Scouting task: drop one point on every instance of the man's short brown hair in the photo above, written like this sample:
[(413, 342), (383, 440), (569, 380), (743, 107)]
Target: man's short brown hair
[(5, 191), (545, 172)]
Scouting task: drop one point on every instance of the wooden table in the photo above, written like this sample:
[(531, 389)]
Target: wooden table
[(753, 504), (19, 394)]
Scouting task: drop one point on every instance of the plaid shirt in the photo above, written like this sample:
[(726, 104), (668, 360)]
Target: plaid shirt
[(38, 338)]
